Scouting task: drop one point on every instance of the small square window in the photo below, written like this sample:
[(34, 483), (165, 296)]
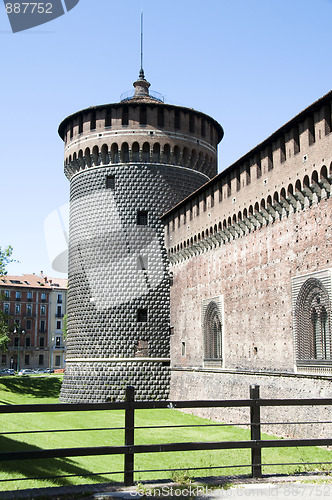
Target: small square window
[(110, 181), (142, 218), (142, 315), (142, 263)]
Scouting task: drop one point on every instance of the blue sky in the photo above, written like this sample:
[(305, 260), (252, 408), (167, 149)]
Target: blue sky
[(251, 64)]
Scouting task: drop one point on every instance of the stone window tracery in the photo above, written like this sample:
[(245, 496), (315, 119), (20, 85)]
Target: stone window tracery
[(212, 331), (312, 322)]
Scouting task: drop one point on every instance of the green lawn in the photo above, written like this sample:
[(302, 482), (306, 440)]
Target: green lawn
[(45, 389)]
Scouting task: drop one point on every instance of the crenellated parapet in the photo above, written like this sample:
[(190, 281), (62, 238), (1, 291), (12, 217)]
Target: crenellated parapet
[(140, 129), (301, 197), (290, 171)]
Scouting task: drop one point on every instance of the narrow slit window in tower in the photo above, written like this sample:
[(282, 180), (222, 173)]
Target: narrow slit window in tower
[(110, 181), (142, 218), (142, 315)]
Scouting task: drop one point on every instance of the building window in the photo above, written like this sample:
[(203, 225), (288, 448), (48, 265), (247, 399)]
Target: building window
[(296, 140), (41, 360), (42, 310), (29, 296), (212, 330), (282, 149), (259, 166), (177, 119), (80, 125), (142, 217), (142, 115), (313, 324), (327, 117), (142, 315), (7, 294), (108, 118), (192, 123), (27, 359), (28, 324), (183, 349), (57, 360), (42, 342), (160, 117), (18, 295), (17, 308), (16, 342), (248, 173), (311, 130), (110, 181), (42, 327), (59, 298), (6, 309), (59, 312), (58, 325), (203, 128), (93, 123), (142, 263), (3, 359), (29, 309), (57, 341), (43, 297), (269, 158), (27, 341), (125, 115)]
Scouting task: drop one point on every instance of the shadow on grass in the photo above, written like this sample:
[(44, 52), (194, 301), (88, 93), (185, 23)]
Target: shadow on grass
[(42, 468), (43, 387)]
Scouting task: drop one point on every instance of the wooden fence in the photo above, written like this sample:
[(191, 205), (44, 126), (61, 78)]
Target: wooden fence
[(130, 449)]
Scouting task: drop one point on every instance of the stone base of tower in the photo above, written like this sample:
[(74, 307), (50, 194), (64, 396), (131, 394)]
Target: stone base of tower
[(106, 381)]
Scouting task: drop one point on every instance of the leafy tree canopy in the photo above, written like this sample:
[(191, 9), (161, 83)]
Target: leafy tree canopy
[(5, 258)]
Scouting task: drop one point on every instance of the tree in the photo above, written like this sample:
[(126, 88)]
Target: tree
[(64, 328), (5, 258)]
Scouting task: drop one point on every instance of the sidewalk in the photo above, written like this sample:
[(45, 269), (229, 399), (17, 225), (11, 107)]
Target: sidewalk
[(307, 487)]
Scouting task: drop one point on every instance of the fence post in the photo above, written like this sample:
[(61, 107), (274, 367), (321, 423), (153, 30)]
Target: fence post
[(255, 427), (129, 437)]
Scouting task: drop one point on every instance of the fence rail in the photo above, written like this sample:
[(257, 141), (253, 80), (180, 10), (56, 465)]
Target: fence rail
[(129, 449)]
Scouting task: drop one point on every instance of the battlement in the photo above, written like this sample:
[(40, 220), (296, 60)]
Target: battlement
[(140, 130), (287, 172)]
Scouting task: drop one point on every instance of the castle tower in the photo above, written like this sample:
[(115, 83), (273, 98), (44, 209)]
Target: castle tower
[(127, 163)]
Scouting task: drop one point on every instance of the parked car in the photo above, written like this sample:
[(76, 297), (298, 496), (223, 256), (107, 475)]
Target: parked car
[(49, 370), (40, 370), (26, 371), (7, 371)]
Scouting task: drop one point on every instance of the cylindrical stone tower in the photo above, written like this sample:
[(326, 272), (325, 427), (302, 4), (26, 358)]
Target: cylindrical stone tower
[(127, 163)]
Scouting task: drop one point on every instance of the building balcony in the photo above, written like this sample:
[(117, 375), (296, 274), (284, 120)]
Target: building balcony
[(42, 331)]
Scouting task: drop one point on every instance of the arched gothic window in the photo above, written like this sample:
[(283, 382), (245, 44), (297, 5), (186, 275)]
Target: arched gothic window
[(212, 329), (312, 322)]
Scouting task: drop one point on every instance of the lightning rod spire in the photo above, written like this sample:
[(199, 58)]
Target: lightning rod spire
[(141, 73)]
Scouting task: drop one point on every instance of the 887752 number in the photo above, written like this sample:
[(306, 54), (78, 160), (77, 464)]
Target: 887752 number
[(29, 8)]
